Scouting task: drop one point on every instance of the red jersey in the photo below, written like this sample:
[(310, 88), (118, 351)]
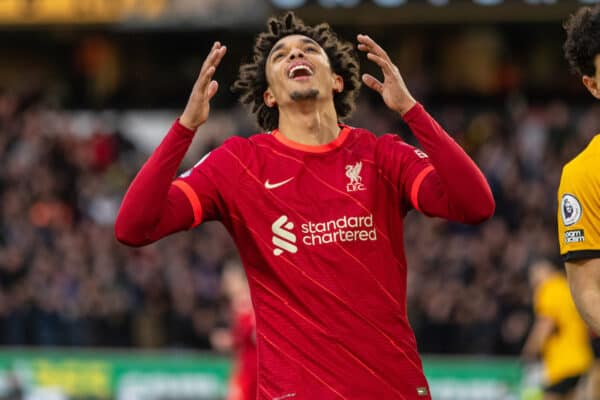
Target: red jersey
[(319, 230), (244, 376)]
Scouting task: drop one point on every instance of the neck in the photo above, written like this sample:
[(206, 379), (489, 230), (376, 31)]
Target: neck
[(309, 123)]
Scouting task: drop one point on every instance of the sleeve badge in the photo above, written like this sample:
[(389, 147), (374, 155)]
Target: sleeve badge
[(570, 209)]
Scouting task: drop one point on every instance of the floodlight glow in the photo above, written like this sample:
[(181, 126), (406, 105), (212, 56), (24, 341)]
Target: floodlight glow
[(389, 3), (335, 3), (288, 3)]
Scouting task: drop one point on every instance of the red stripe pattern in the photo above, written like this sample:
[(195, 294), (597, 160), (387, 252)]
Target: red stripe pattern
[(193, 199)]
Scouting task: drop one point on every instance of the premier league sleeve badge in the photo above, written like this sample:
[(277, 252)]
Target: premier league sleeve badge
[(570, 209)]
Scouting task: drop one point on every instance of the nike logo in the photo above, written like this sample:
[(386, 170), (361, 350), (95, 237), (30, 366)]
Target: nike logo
[(269, 185)]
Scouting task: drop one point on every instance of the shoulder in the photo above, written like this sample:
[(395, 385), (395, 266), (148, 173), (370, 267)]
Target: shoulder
[(229, 152), (546, 291), (242, 147), (362, 133), (587, 160), (391, 144), (558, 283), (235, 143), (572, 168), (381, 145)]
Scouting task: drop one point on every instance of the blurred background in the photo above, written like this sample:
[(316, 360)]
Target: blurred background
[(89, 87)]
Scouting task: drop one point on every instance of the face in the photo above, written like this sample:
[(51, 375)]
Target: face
[(298, 69), (592, 83), (538, 272), (534, 275)]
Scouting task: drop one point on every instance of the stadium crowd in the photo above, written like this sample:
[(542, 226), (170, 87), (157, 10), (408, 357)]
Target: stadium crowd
[(65, 281)]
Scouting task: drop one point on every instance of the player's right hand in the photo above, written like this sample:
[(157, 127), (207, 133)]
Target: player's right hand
[(198, 105)]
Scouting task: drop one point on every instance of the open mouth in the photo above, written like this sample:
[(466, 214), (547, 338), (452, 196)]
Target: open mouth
[(300, 72)]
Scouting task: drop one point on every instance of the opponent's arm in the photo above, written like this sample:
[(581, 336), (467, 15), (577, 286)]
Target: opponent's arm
[(153, 207), (584, 280), (540, 332), (455, 189)]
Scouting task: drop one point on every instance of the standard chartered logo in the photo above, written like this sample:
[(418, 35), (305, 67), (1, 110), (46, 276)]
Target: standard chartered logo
[(343, 229), (283, 238)]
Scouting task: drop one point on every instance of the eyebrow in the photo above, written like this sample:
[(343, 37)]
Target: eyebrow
[(279, 46)]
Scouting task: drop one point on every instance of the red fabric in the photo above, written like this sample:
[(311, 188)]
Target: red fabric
[(104, 151), (458, 190), (153, 207), (243, 382), (192, 198), (416, 187), (322, 247)]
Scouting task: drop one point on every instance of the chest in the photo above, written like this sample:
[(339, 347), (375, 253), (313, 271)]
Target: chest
[(318, 185), (312, 203)]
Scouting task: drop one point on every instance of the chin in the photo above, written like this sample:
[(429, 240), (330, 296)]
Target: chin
[(304, 94)]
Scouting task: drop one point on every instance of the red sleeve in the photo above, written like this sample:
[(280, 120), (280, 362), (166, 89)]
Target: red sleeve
[(454, 188), (405, 166), (153, 207), (213, 180)]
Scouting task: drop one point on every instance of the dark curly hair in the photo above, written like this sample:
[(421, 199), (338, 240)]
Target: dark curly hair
[(252, 82), (583, 40)]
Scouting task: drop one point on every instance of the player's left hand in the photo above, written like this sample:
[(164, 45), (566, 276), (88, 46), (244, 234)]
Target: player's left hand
[(393, 89)]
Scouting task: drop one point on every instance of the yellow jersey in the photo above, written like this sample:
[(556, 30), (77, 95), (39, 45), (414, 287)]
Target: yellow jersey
[(579, 205), (568, 351)]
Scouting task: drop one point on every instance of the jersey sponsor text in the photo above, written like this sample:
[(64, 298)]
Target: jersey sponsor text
[(344, 229)]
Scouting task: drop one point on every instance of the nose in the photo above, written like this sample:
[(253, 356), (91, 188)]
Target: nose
[(296, 53)]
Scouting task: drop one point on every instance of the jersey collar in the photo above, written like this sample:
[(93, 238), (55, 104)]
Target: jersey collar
[(334, 144)]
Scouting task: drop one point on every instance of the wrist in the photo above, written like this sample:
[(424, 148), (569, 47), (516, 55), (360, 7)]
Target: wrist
[(186, 127), (188, 123), (405, 107)]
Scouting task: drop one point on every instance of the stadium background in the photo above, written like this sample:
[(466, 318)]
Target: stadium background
[(88, 88)]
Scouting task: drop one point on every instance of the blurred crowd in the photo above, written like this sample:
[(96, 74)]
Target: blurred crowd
[(65, 281)]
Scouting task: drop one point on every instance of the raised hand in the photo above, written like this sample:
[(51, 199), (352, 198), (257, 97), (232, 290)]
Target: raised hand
[(198, 105), (393, 90)]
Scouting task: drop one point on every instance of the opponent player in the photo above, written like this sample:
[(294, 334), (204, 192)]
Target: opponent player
[(579, 190), (558, 334), (316, 209)]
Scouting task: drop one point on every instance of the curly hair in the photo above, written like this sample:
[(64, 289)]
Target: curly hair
[(252, 81), (583, 40)]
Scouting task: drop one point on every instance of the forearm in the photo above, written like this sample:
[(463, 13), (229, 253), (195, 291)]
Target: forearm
[(457, 188), (584, 280), (532, 347), (540, 333), (588, 302), (148, 211)]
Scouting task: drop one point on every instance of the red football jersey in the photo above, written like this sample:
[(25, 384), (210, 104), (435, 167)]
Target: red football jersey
[(319, 230), (244, 376)]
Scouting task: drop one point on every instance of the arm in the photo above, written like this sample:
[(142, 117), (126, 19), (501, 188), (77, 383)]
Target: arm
[(584, 280), (540, 332), (455, 188), (153, 207)]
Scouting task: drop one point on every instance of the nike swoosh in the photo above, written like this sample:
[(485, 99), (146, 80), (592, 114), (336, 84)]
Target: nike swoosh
[(276, 185)]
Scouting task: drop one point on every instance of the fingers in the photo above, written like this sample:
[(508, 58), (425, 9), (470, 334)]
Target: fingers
[(385, 66), (365, 43), (220, 53), (207, 61), (376, 54), (213, 86), (210, 65), (373, 83)]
